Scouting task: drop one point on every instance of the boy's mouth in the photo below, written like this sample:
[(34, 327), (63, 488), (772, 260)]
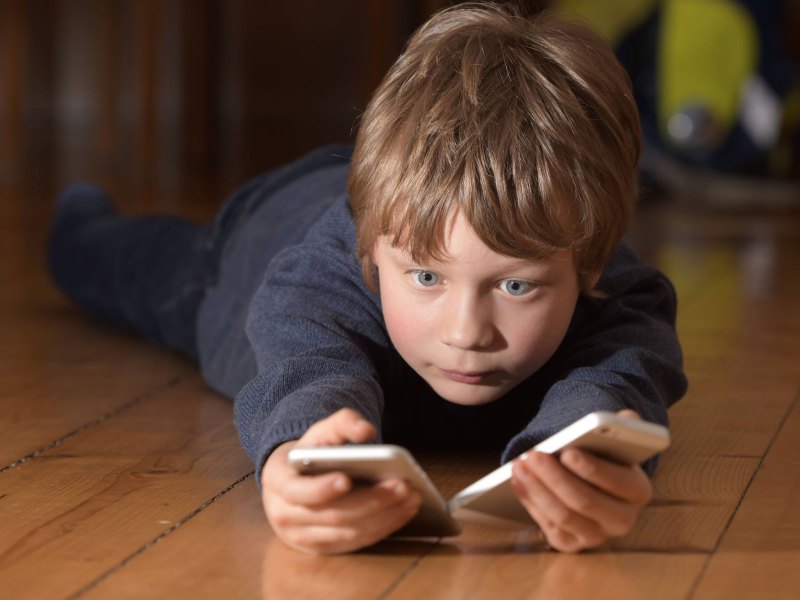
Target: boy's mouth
[(472, 377)]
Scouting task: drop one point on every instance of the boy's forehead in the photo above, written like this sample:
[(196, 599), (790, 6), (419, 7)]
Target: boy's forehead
[(403, 253), (453, 238)]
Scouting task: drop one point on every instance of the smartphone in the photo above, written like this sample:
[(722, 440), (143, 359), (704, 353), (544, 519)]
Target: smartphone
[(491, 500), (370, 463)]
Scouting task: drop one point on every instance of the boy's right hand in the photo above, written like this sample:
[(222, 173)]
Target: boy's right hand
[(323, 514)]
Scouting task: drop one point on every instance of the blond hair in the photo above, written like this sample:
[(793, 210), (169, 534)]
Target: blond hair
[(528, 127)]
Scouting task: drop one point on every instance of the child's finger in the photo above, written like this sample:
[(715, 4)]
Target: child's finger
[(631, 414), (312, 490), (628, 483), (334, 538), (343, 426), (280, 479), (611, 516), (565, 529), (361, 504)]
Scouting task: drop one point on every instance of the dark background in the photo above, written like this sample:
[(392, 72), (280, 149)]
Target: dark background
[(158, 93)]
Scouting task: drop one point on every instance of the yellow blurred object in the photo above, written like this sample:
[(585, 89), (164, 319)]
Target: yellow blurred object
[(709, 49)]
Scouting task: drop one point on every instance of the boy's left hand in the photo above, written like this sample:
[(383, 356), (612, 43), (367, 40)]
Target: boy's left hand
[(578, 499)]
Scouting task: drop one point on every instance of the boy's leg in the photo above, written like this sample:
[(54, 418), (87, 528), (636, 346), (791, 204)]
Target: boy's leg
[(148, 272), (151, 273)]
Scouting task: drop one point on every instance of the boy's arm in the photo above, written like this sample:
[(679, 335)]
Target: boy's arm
[(318, 339), (621, 353), (319, 343)]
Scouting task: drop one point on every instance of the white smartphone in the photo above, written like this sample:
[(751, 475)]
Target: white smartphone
[(371, 463), (491, 500)]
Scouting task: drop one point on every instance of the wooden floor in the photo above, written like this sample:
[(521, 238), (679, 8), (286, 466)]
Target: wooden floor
[(121, 475)]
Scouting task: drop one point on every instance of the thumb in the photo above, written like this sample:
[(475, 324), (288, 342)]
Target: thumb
[(343, 426), (630, 414)]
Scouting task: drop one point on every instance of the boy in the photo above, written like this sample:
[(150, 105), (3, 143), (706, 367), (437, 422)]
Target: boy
[(466, 291)]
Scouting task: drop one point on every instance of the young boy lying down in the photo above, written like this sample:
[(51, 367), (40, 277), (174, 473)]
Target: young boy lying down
[(455, 281)]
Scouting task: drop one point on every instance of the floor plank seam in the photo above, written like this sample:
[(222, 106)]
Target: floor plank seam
[(95, 423), (683, 550), (393, 586), (139, 551), (698, 580)]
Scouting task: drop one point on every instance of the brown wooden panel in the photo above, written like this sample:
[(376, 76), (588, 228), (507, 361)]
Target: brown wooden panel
[(199, 82), (160, 89), (34, 126), (13, 45), (302, 73)]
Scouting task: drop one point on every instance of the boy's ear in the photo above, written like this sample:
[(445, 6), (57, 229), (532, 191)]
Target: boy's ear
[(593, 279), (374, 273)]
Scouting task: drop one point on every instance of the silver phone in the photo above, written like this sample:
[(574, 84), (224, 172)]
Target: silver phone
[(491, 499), (370, 463)]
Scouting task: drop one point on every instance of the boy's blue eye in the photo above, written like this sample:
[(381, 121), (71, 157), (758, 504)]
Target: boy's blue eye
[(425, 278), (515, 287)]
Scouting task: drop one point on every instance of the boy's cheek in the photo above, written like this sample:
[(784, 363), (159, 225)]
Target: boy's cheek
[(403, 322), (403, 336)]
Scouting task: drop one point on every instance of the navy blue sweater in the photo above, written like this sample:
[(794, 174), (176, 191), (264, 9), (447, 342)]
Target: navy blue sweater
[(316, 341)]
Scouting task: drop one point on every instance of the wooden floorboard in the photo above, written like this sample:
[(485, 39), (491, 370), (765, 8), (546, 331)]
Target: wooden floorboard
[(86, 505), (547, 575), (760, 552), (71, 397), (121, 474), (261, 567)]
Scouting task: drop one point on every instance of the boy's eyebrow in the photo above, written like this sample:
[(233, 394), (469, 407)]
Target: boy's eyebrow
[(403, 255), (542, 267), (400, 255)]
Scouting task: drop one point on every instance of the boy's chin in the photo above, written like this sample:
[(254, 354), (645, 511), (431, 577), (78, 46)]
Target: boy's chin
[(466, 394)]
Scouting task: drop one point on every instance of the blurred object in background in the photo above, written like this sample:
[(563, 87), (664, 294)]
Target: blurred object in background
[(716, 82)]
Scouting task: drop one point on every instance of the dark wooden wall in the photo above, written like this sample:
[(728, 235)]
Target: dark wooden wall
[(158, 90)]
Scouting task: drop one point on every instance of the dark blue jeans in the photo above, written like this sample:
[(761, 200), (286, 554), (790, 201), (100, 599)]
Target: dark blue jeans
[(151, 273), (148, 273)]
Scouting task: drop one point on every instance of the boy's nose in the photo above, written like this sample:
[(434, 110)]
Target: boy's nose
[(466, 324)]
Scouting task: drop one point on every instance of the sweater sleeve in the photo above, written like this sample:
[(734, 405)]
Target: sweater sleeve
[(318, 337), (622, 351)]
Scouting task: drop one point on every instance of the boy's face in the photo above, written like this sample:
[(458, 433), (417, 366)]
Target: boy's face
[(479, 323)]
